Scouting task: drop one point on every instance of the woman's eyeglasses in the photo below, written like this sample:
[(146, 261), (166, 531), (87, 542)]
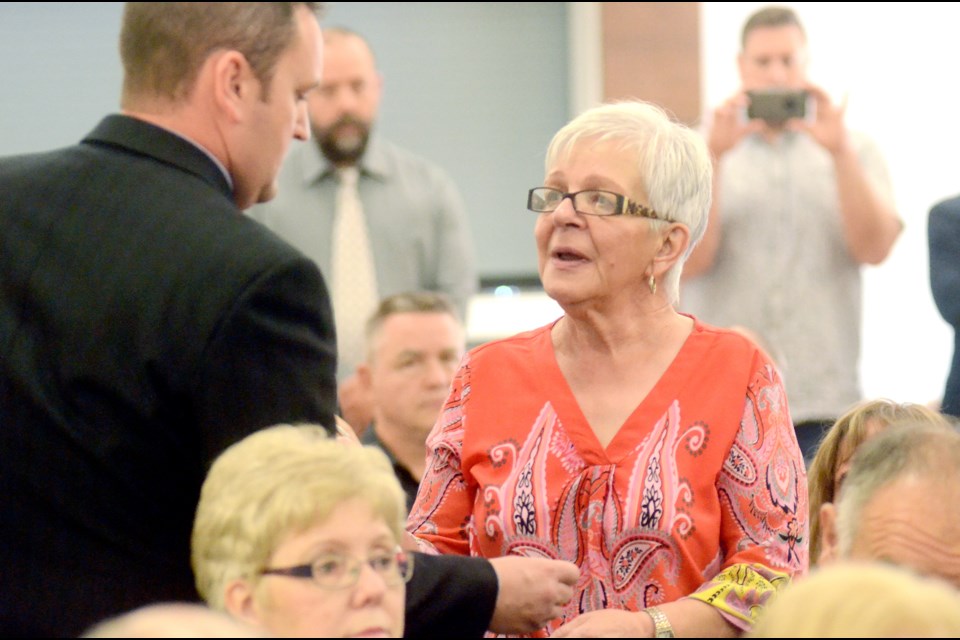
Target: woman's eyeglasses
[(340, 571), (591, 202)]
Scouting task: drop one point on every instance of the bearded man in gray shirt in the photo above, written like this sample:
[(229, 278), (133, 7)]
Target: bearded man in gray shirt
[(416, 221)]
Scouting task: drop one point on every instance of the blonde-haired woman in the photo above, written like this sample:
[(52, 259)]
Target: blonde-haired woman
[(299, 535)]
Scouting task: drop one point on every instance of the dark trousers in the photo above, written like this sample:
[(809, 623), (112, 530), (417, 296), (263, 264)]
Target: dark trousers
[(809, 434)]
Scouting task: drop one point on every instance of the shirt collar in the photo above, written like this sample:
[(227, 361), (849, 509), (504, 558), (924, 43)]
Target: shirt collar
[(370, 437), (212, 157)]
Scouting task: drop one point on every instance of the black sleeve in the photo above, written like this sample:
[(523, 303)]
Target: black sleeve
[(943, 239), (273, 359), (450, 597), (943, 229)]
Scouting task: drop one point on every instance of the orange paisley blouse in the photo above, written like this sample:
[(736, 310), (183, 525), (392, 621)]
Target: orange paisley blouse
[(701, 493)]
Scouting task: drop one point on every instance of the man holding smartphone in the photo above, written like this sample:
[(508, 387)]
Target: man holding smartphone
[(800, 203)]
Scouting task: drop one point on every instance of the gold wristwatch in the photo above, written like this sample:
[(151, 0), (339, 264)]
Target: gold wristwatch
[(660, 622)]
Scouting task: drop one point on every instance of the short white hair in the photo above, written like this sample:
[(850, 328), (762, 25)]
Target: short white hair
[(672, 163)]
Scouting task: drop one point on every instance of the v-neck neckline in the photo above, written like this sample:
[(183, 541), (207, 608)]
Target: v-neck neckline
[(637, 424)]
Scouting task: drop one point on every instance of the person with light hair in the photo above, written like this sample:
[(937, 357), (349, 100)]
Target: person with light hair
[(898, 503), (652, 450), (300, 535), (862, 600), (830, 465), (173, 620)]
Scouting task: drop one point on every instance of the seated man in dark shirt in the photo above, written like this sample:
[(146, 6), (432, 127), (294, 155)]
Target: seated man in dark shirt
[(414, 343)]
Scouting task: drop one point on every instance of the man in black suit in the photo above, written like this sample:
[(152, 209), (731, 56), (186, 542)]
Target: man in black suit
[(145, 325)]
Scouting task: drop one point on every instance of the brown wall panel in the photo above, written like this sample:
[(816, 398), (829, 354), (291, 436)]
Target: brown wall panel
[(651, 51)]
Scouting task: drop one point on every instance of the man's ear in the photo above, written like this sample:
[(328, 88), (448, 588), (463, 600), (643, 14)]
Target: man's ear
[(828, 533), (234, 83), (239, 602)]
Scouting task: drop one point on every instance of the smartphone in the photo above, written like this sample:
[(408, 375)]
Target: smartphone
[(776, 106)]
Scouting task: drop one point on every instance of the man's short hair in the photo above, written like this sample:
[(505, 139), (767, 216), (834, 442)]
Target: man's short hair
[(918, 450), (773, 16), (332, 33), (845, 436), (163, 45), (409, 302)]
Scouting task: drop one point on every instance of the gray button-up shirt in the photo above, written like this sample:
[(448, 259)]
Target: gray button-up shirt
[(417, 222)]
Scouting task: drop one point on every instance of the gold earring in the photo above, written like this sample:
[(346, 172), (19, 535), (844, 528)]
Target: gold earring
[(653, 284)]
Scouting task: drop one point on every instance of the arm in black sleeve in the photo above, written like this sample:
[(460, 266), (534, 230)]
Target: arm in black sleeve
[(450, 597), (943, 229)]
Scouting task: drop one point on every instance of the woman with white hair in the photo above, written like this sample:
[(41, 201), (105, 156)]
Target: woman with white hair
[(654, 451), (299, 535)]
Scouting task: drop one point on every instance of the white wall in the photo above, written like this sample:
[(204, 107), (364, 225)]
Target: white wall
[(897, 65)]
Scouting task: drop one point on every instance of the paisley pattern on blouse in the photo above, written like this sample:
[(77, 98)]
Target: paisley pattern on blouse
[(691, 504)]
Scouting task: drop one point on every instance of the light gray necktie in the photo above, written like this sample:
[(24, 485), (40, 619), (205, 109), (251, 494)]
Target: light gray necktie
[(354, 275)]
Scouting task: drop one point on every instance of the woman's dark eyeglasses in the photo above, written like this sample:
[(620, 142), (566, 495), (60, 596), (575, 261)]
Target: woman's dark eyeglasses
[(591, 202), (340, 571)]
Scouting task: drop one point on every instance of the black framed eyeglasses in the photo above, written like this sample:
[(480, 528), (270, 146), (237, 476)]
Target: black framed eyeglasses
[(341, 571), (591, 202)]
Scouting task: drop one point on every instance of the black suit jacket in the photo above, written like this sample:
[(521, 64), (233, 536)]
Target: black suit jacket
[(145, 325), (943, 230)]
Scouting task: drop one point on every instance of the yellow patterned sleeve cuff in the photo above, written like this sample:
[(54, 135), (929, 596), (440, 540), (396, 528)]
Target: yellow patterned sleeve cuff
[(740, 592)]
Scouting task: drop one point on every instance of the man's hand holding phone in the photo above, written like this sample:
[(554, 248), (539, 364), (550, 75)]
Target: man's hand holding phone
[(827, 126)]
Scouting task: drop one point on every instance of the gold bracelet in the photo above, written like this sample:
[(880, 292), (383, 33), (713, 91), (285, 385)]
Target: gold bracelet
[(660, 622)]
